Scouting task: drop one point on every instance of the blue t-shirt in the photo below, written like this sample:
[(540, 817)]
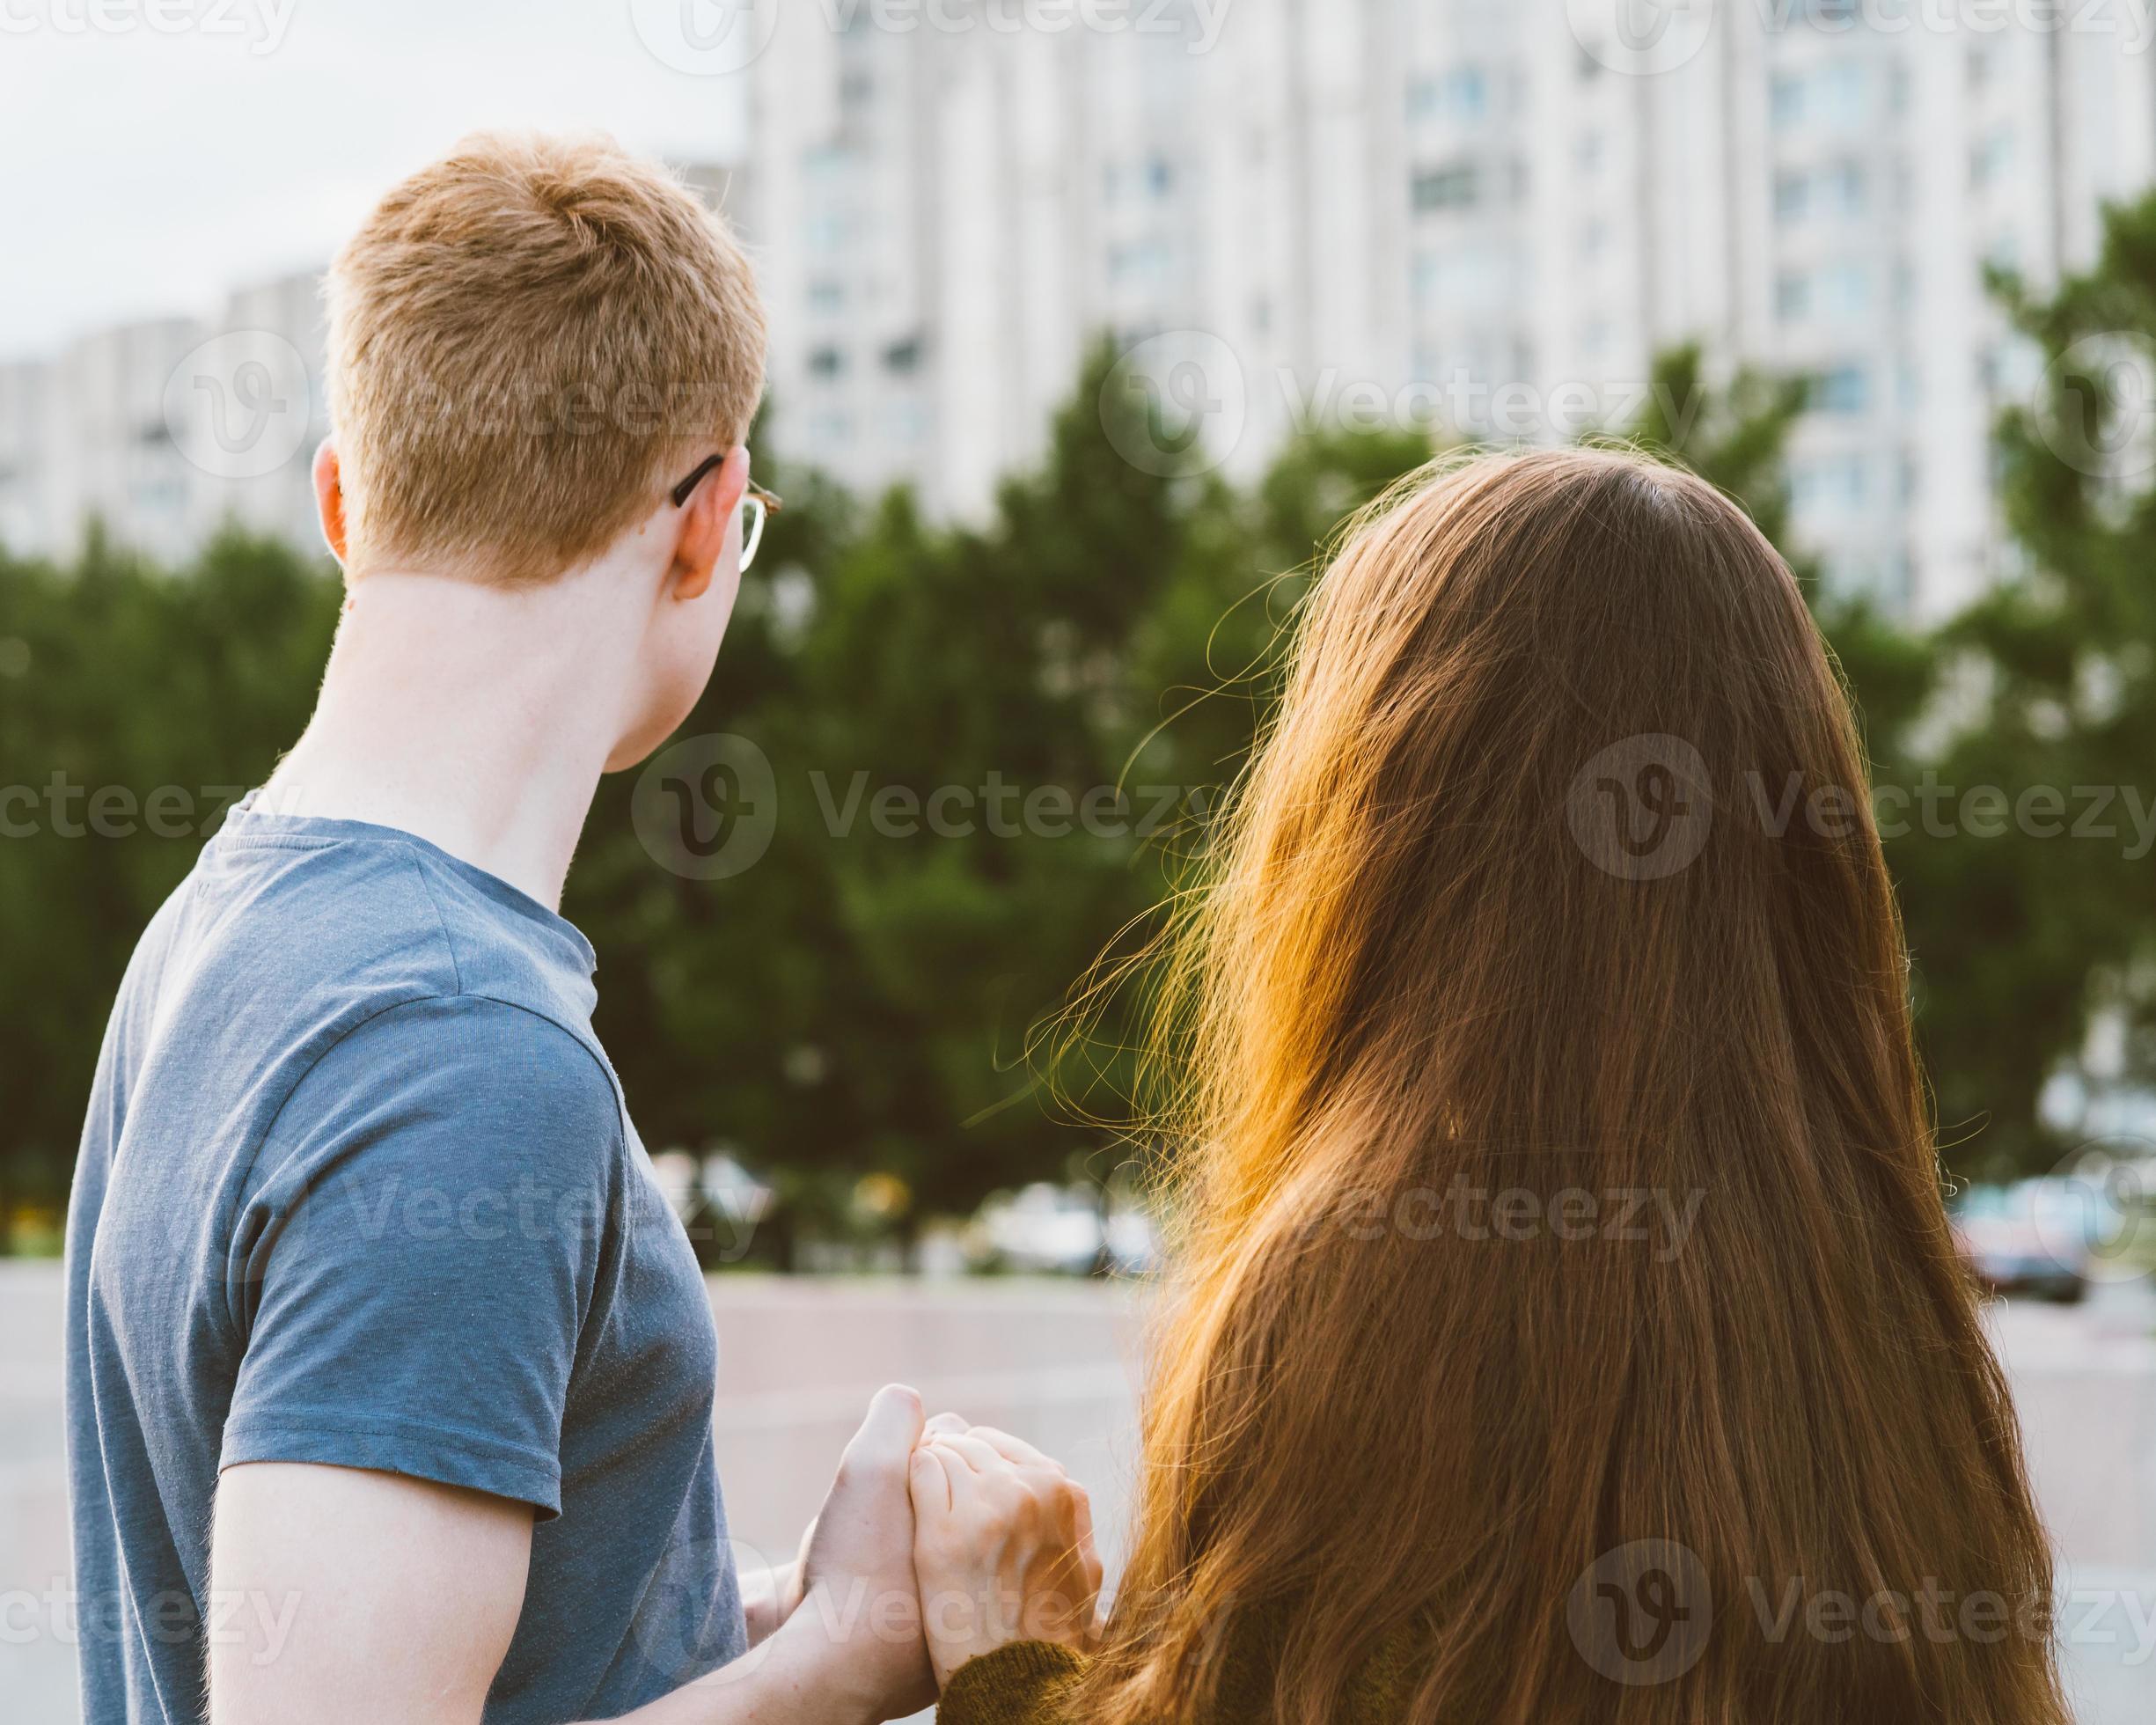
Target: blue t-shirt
[(357, 1187)]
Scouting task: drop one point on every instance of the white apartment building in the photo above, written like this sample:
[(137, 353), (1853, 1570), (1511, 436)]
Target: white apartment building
[(164, 430), (1469, 218), (1483, 217)]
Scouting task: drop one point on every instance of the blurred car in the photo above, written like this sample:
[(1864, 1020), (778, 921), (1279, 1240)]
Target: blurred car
[(2031, 1237), (1063, 1228)]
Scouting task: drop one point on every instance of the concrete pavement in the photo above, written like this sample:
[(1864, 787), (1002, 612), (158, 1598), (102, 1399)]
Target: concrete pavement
[(1056, 1362)]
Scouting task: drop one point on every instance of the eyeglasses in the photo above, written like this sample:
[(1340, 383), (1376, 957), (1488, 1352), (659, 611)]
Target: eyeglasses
[(758, 505)]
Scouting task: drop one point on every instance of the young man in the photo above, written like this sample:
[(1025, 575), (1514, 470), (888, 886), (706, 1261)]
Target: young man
[(390, 1374)]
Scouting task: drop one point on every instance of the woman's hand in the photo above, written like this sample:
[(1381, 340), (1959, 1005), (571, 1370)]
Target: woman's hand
[(1002, 1546)]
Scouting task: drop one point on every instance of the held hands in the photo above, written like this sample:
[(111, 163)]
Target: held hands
[(1002, 1546), (933, 1546), (850, 1599)]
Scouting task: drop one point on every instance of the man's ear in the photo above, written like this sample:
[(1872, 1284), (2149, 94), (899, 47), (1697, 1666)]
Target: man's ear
[(329, 496), (700, 540)]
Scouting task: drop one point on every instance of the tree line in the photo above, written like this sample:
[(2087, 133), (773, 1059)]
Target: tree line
[(943, 766)]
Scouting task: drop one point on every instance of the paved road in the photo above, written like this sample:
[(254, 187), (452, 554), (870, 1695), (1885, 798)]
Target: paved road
[(1055, 1362)]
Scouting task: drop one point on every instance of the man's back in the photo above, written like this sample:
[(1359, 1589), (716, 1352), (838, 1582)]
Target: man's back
[(357, 1188)]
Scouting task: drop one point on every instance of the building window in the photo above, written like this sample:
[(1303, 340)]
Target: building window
[(826, 296), (1831, 485), (1840, 91), (1787, 101), (826, 363), (1467, 94), (903, 357), (1791, 196), (1844, 389), (1452, 188), (1845, 289), (1429, 279), (1792, 296), (1990, 158)]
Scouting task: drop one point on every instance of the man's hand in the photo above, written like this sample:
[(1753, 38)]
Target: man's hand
[(856, 1574)]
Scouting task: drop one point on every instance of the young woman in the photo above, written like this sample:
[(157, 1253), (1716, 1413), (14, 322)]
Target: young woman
[(1566, 1326)]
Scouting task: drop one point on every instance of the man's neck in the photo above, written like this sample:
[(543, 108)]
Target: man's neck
[(478, 718)]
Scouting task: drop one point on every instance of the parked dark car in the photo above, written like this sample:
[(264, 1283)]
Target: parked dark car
[(2027, 1238)]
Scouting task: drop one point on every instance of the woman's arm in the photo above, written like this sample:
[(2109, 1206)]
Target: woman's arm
[(1022, 1683), (1003, 1555)]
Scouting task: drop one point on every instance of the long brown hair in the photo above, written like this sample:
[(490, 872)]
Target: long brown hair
[(1564, 1290)]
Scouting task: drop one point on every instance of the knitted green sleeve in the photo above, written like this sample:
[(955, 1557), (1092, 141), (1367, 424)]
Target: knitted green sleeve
[(1026, 1683)]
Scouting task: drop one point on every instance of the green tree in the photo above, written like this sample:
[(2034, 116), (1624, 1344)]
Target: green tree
[(134, 706), (2050, 695)]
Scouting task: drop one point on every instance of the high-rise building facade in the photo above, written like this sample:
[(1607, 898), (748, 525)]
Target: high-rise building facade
[(164, 430), (1483, 217), (1474, 218)]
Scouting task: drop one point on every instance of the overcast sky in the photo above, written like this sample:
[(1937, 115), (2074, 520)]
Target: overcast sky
[(146, 171)]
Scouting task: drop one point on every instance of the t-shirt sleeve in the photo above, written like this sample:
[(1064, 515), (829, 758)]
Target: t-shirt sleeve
[(414, 1266)]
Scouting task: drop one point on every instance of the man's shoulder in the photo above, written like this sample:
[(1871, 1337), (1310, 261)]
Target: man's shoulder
[(310, 916), (286, 969), (439, 1076)]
